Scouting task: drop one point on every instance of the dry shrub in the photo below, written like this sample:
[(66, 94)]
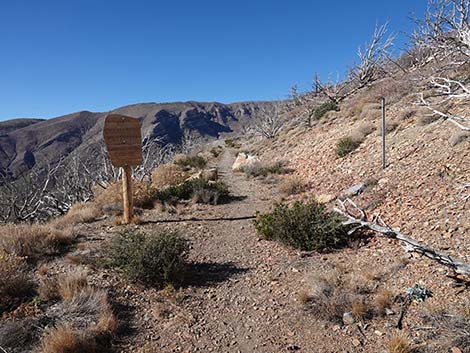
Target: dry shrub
[(427, 119), (33, 241), (399, 343), (18, 335), (66, 339), (366, 128), (383, 301), (292, 185), (459, 137), (167, 175), (110, 199), (304, 297), (360, 309), (79, 213), (15, 284), (370, 112), (48, 288), (72, 283)]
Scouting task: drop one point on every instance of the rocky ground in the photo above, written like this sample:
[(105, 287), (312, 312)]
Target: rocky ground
[(243, 294)]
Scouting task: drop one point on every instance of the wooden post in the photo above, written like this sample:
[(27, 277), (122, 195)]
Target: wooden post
[(127, 194), (384, 161)]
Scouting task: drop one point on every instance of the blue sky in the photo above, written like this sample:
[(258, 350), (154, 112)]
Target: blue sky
[(58, 57)]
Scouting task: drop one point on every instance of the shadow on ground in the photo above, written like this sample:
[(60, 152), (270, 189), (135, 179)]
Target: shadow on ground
[(203, 274), (195, 219)]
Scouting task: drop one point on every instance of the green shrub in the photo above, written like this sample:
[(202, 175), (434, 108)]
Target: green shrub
[(193, 189), (324, 108), (230, 143), (191, 162), (304, 226), (216, 151), (153, 258), (259, 169), (346, 145)]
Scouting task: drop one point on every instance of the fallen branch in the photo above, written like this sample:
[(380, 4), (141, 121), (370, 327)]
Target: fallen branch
[(388, 232)]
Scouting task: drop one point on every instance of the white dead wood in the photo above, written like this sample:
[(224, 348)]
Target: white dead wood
[(269, 120), (357, 218)]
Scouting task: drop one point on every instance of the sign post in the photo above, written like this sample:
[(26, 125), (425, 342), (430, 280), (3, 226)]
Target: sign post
[(123, 140)]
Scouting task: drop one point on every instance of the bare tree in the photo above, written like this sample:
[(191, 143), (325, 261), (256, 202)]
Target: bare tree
[(269, 120), (190, 141)]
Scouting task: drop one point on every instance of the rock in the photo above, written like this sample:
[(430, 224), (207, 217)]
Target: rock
[(325, 198), (455, 350), (244, 160), (348, 318), (207, 174), (356, 342), (382, 182), (353, 191), (389, 311)]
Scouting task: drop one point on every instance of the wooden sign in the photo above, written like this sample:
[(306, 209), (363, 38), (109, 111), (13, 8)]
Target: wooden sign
[(123, 140)]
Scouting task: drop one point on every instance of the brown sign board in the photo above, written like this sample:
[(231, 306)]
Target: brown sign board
[(123, 140)]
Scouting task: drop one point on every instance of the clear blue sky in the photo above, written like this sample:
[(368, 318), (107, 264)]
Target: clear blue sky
[(61, 56)]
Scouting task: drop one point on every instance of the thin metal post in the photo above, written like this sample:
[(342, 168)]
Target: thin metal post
[(384, 162)]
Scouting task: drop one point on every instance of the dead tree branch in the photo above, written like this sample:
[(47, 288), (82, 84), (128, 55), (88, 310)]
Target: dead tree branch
[(358, 219)]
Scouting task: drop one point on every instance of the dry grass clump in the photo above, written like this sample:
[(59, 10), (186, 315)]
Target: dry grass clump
[(110, 199), (399, 343), (66, 339), (260, 169), (15, 284), (426, 119), (82, 212), (346, 145), (33, 241), (18, 335), (48, 288), (459, 137), (292, 185), (84, 318), (188, 162), (383, 301), (167, 175), (72, 283)]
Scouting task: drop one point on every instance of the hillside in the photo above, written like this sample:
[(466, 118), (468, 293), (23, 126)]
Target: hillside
[(25, 144)]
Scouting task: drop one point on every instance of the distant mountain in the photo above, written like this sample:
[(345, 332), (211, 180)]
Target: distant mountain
[(28, 143)]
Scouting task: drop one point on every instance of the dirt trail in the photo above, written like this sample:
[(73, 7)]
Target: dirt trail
[(242, 291)]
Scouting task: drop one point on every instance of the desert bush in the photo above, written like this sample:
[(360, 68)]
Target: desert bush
[(383, 301), (15, 284), (33, 241), (82, 212), (48, 288), (152, 258), (167, 175), (230, 143), (200, 190), (323, 108), (346, 145), (459, 137), (399, 343), (259, 169), (307, 226), (188, 162), (111, 197), (216, 151), (366, 128), (426, 119), (292, 185), (18, 335)]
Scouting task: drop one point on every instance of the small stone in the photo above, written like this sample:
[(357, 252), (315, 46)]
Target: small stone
[(455, 350), (348, 318), (356, 342), (389, 311), (378, 333)]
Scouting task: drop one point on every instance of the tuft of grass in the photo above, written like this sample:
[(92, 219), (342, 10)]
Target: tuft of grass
[(48, 289), (82, 212), (346, 145), (15, 283), (154, 258), (72, 283), (324, 108), (216, 151), (360, 309), (459, 137), (382, 301), (34, 241), (168, 175), (399, 343), (66, 339), (306, 226), (292, 185)]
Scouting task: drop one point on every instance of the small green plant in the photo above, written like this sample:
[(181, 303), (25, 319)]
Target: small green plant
[(193, 189), (230, 143), (346, 145), (152, 258), (216, 151), (197, 162), (306, 226), (324, 108)]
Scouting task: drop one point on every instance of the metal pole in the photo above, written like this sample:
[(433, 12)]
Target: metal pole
[(384, 162)]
